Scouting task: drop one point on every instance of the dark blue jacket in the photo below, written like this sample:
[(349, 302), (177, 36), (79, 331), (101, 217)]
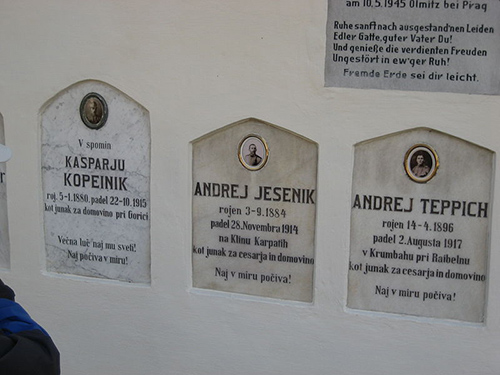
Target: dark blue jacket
[(25, 347)]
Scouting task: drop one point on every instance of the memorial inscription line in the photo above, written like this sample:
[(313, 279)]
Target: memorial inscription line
[(235, 221), (377, 48), (106, 206), (420, 248)]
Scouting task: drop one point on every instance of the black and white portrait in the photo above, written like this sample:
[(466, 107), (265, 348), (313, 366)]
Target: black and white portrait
[(421, 163), (253, 152), (93, 111)]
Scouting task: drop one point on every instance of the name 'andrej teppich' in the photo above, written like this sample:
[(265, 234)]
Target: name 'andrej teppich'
[(265, 193), (427, 206), (91, 180)]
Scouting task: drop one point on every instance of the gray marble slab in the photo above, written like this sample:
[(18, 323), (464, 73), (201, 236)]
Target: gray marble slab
[(420, 224), (254, 211), (96, 178), (4, 222), (420, 45)]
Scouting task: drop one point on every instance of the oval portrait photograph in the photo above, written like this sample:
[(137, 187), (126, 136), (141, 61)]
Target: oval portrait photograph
[(93, 110), (253, 152), (421, 163)]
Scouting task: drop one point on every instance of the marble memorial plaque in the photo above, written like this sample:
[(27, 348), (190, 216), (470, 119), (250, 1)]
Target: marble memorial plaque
[(254, 211), (4, 223), (96, 176), (420, 222), (421, 45)]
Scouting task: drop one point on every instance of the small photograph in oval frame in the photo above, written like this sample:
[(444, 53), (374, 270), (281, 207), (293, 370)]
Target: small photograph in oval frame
[(421, 163), (94, 111), (253, 152)]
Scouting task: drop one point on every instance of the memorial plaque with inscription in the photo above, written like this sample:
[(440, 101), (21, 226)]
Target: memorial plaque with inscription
[(254, 211), (420, 224), (421, 45), (4, 222), (96, 176)]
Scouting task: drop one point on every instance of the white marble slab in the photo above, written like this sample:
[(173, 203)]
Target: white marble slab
[(4, 222), (96, 178), (420, 232), (254, 211)]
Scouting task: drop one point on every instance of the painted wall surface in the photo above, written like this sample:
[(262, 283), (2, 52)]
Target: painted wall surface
[(197, 66)]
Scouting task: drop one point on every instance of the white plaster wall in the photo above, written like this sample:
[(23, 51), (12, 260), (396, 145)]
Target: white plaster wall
[(196, 66)]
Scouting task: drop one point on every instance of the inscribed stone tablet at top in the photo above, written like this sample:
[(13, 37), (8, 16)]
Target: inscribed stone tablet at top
[(420, 221), (421, 45), (95, 169), (254, 209)]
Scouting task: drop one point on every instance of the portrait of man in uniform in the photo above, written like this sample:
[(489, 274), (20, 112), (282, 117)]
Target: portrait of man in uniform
[(253, 152), (252, 158), (93, 111), (421, 163), (421, 169)]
